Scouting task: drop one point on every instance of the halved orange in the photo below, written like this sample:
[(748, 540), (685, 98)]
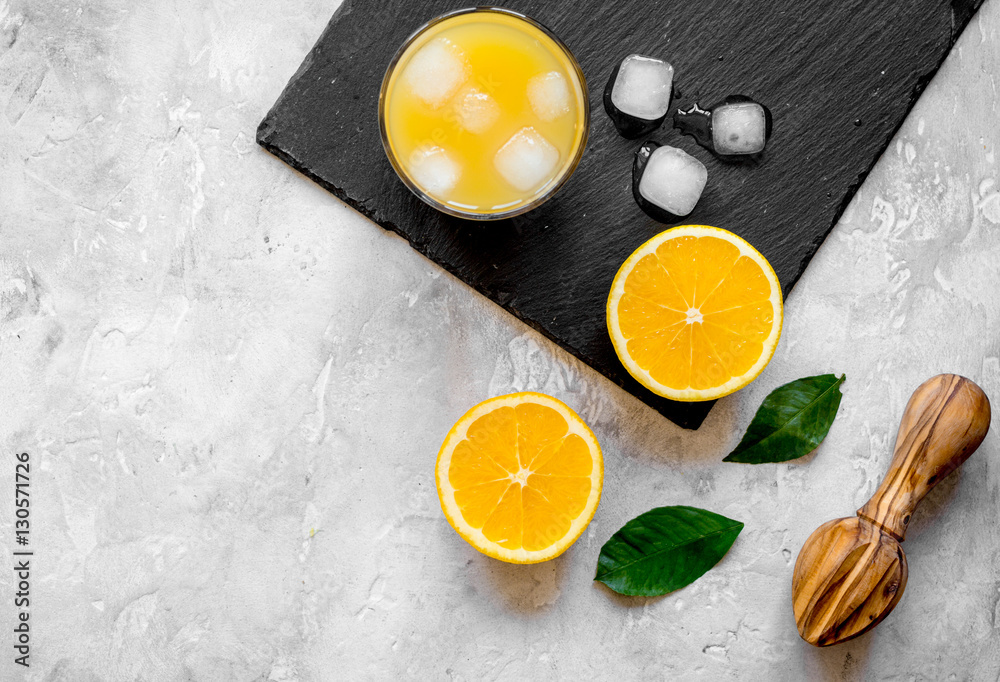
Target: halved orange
[(695, 313), (519, 477)]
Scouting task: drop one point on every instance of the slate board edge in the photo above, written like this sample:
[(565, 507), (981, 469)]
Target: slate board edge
[(960, 19), (691, 422), (265, 132)]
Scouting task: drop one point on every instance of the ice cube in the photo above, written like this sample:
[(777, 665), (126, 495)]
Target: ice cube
[(549, 95), (642, 87), (436, 71), (433, 170), (673, 180), (476, 110), (739, 128), (527, 160)]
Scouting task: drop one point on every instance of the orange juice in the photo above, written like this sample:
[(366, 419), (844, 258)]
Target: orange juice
[(484, 114)]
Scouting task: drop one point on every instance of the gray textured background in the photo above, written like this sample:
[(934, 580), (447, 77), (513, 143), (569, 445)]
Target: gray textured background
[(233, 389)]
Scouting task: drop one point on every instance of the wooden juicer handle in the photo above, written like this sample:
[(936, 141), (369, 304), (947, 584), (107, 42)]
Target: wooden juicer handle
[(851, 572), (945, 420)]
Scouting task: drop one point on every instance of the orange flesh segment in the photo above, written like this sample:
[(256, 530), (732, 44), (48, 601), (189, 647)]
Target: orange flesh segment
[(494, 436), (746, 283), (571, 458), (537, 426), (544, 524), (648, 280), (479, 501), (672, 365), (503, 525), (521, 477)]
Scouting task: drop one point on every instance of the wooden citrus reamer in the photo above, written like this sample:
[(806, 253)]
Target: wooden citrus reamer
[(851, 572)]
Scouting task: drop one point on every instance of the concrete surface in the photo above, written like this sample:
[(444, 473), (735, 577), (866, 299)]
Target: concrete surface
[(232, 389)]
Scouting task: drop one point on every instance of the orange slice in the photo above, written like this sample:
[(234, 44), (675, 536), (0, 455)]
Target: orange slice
[(695, 313), (519, 477)]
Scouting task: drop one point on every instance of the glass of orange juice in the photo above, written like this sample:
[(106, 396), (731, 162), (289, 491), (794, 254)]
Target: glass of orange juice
[(484, 113)]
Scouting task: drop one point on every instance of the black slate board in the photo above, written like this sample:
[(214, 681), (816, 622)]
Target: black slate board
[(838, 76)]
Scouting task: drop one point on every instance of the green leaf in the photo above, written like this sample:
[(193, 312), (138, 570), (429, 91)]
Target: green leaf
[(664, 549), (791, 422)]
